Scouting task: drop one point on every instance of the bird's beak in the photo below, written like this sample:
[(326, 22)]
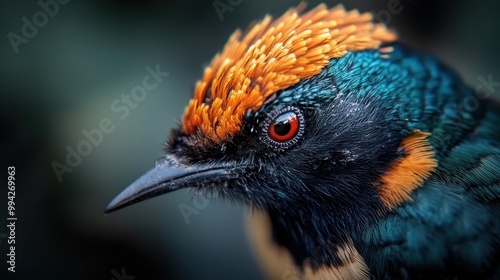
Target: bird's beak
[(167, 176)]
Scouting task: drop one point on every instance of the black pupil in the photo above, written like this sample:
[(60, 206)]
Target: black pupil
[(282, 124)]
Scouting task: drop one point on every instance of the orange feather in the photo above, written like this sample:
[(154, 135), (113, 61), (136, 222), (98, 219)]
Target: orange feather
[(272, 56)]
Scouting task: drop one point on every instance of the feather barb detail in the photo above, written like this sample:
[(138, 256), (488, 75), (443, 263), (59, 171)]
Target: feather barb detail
[(272, 56)]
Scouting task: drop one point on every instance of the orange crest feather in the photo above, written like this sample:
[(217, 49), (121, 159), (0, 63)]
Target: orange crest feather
[(272, 56)]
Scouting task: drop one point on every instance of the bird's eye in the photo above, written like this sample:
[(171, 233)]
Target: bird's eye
[(283, 127)]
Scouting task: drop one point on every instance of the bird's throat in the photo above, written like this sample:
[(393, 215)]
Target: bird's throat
[(311, 241), (280, 261)]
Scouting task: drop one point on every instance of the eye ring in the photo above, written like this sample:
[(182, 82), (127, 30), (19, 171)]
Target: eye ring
[(283, 128)]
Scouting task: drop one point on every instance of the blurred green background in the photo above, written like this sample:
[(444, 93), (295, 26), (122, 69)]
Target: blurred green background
[(64, 80)]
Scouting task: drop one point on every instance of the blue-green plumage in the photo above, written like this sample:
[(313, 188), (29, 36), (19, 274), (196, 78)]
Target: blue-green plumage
[(417, 89), (451, 226)]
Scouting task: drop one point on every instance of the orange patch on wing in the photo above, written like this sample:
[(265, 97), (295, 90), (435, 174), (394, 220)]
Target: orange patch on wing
[(408, 173), (272, 56)]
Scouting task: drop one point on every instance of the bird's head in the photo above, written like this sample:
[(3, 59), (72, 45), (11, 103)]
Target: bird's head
[(309, 117)]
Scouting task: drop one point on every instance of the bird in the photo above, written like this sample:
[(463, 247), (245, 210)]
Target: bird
[(357, 156)]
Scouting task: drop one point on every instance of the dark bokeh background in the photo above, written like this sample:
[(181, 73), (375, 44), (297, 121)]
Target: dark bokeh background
[(64, 80)]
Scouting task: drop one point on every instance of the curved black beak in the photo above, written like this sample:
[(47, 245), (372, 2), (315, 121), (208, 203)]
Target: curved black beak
[(168, 176)]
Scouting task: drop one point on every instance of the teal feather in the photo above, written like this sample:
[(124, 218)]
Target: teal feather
[(451, 227), (452, 224)]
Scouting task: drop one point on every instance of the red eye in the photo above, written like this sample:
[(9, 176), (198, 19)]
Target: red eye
[(284, 127)]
